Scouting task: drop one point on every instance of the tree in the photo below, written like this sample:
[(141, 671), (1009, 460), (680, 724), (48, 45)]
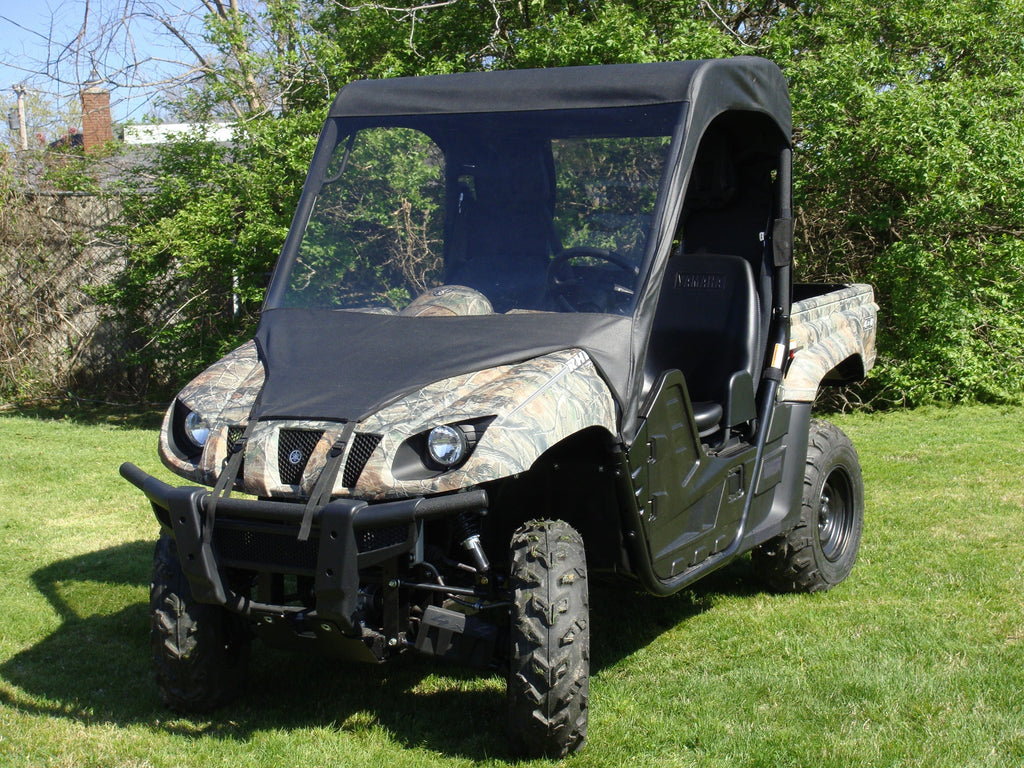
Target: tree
[(910, 156), (201, 232), (46, 120), (909, 152), (233, 58)]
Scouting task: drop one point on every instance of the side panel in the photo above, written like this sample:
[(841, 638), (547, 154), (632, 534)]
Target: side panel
[(776, 506), (689, 503), (826, 330)]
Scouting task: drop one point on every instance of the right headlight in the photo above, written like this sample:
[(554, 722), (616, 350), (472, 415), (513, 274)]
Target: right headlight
[(189, 432)]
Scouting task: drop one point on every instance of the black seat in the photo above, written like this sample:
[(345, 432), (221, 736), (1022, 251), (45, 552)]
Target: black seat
[(707, 325), (508, 229)]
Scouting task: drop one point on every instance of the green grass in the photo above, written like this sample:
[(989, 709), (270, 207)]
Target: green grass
[(917, 660)]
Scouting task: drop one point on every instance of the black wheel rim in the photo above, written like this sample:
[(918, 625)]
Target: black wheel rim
[(836, 517)]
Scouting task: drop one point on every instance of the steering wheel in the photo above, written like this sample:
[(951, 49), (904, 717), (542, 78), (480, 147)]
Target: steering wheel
[(576, 295)]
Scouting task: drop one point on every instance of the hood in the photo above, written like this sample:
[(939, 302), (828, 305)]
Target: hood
[(518, 411), (342, 366)]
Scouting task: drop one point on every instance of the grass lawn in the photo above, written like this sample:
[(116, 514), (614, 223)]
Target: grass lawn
[(917, 660)]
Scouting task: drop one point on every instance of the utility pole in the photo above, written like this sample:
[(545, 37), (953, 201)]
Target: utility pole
[(20, 90)]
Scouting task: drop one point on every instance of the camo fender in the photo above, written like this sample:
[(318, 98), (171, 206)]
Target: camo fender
[(826, 331), (531, 406), (224, 394)]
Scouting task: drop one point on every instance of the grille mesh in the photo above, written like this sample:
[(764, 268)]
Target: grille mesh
[(362, 448), (234, 435), (294, 447), (271, 551), (378, 538), (283, 552)]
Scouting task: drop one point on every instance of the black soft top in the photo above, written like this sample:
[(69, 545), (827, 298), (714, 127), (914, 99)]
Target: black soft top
[(719, 85), (335, 365)]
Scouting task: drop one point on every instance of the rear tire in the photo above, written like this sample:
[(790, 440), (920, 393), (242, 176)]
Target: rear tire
[(200, 652), (549, 666), (820, 551)]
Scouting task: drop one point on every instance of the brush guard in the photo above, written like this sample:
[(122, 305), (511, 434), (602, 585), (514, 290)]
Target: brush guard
[(339, 556)]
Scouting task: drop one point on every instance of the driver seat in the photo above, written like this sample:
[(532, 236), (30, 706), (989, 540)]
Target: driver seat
[(707, 325), (508, 229)]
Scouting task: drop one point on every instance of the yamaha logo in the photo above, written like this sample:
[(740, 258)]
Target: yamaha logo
[(700, 281), (295, 457)]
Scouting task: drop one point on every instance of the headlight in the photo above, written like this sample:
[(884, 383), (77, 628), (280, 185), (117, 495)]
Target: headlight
[(447, 446), (197, 429)]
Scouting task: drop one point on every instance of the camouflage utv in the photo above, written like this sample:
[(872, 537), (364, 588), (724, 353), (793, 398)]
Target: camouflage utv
[(526, 326)]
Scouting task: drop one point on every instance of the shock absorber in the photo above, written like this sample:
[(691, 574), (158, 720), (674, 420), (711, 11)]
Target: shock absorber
[(467, 531)]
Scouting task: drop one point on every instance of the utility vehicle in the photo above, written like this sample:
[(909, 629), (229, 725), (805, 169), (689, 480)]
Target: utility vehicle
[(527, 326)]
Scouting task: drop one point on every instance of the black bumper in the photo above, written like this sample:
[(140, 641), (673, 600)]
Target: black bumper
[(339, 557)]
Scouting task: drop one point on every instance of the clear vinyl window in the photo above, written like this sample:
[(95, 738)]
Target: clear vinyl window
[(472, 214)]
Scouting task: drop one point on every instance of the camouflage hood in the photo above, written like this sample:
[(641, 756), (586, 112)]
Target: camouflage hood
[(515, 412), (344, 366)]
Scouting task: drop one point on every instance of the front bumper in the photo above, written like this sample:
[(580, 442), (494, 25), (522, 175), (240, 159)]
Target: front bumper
[(337, 526)]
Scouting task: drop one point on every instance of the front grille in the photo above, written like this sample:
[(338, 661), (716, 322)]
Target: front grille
[(282, 552), (362, 448), (294, 447), (378, 538), (266, 550)]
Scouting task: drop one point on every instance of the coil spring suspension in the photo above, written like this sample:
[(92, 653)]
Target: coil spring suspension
[(467, 531)]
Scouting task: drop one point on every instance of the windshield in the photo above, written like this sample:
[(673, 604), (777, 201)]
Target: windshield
[(479, 214)]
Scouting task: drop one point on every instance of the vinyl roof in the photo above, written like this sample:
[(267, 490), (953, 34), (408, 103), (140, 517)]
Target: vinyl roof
[(745, 83)]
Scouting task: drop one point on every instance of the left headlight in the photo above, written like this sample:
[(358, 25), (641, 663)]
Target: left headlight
[(438, 450), (447, 445), (197, 429)]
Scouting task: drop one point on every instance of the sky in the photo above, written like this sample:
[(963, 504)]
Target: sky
[(26, 29)]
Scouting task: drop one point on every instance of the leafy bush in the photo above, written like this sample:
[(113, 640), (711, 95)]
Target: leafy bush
[(910, 158), (201, 233)]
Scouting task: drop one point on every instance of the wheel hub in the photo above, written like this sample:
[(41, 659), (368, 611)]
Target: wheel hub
[(835, 515)]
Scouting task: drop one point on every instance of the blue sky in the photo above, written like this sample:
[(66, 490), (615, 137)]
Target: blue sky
[(26, 27)]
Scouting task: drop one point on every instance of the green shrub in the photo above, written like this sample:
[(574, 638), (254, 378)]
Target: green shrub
[(202, 231)]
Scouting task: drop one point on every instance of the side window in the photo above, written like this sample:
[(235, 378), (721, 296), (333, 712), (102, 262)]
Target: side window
[(729, 196)]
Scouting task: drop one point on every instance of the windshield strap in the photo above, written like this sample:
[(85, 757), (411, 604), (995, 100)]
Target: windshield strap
[(226, 479), (321, 493)]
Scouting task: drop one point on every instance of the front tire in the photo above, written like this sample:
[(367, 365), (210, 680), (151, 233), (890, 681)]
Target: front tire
[(549, 666), (200, 652), (820, 551)]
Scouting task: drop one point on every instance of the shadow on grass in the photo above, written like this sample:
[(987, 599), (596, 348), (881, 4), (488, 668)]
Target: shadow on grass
[(88, 413), (95, 666)]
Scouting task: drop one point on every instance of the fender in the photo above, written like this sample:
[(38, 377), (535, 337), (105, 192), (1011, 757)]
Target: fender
[(826, 331)]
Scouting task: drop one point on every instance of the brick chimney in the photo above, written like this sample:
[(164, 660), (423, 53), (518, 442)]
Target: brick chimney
[(96, 130)]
